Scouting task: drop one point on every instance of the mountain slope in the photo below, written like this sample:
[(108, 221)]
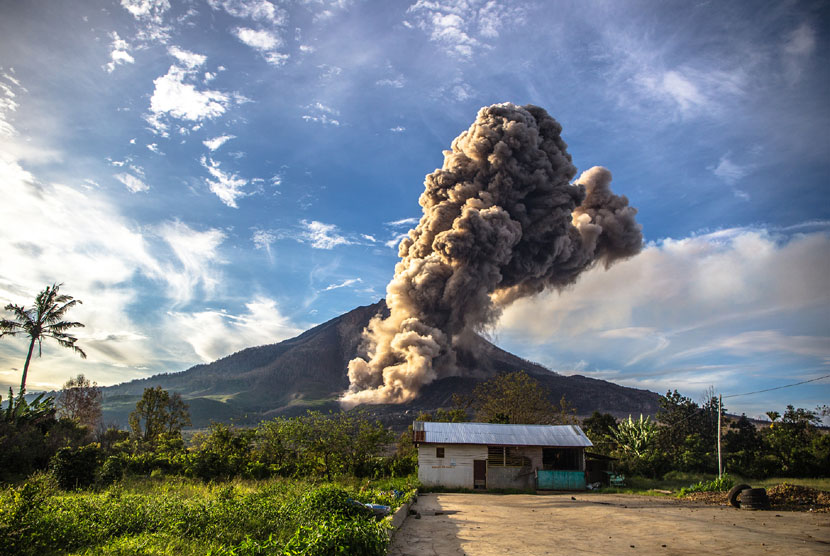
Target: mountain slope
[(309, 371)]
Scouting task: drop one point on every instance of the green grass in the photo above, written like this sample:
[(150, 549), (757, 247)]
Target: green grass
[(820, 483), (174, 515)]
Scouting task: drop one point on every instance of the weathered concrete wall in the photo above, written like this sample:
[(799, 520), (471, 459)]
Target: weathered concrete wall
[(511, 477), (516, 477), (454, 470)]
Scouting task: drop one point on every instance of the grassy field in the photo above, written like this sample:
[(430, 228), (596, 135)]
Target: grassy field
[(177, 516)]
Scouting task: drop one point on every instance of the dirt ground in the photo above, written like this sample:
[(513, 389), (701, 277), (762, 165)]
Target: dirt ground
[(602, 524)]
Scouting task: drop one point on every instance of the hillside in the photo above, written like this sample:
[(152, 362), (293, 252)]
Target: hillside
[(309, 372)]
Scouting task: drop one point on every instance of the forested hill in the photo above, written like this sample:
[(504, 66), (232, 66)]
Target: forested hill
[(309, 372)]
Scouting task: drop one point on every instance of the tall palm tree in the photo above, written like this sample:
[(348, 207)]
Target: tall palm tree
[(44, 320)]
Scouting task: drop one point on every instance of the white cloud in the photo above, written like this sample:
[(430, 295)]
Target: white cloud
[(214, 334), (190, 60), (134, 184), (79, 239), (264, 41), (257, 10), (402, 222), (174, 97), (728, 171), (263, 239), (261, 40), (461, 27), (153, 147), (320, 113), (395, 241), (197, 257), (145, 8), (397, 129), (801, 42), (739, 291), (226, 186), (8, 105), (150, 13), (217, 142), (343, 284), (798, 48), (322, 236), (119, 54), (397, 82)]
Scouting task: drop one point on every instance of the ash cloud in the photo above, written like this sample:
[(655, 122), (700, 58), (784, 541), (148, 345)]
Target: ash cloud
[(501, 220)]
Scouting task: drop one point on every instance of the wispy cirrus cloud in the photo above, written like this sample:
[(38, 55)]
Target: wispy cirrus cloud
[(320, 113), (344, 284), (197, 261), (322, 236), (217, 142), (134, 184), (213, 334), (226, 185)]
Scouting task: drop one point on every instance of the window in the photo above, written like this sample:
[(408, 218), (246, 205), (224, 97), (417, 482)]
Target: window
[(563, 459), (506, 456), (439, 452)]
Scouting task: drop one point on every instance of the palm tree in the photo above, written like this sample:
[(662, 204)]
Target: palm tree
[(44, 320)]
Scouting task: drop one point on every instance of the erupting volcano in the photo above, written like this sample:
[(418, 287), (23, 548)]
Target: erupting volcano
[(501, 220)]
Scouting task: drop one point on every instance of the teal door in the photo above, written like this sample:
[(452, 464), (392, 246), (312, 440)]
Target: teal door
[(560, 480)]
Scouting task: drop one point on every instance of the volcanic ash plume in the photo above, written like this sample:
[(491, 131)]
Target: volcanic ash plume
[(501, 220)]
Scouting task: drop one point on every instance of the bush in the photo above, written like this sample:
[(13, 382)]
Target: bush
[(339, 536), (325, 502), (722, 484), (76, 467), (113, 470)]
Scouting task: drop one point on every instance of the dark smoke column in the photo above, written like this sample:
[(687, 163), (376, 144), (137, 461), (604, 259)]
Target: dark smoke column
[(501, 221)]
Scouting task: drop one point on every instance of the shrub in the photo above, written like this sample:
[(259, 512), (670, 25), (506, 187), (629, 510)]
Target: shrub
[(721, 484), (75, 467), (339, 536), (112, 470)]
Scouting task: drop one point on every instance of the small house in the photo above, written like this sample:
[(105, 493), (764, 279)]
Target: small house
[(490, 456)]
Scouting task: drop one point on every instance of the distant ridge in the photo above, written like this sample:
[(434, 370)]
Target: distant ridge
[(309, 372)]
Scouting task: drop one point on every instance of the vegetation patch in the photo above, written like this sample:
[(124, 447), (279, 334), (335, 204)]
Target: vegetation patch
[(178, 516)]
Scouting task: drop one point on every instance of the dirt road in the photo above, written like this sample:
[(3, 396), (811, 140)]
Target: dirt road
[(602, 524)]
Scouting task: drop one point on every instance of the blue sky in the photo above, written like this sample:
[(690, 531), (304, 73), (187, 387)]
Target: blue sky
[(207, 176)]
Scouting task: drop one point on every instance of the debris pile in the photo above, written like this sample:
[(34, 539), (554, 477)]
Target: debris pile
[(783, 497), (798, 498)]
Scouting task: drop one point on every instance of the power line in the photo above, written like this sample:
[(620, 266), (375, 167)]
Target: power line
[(776, 388)]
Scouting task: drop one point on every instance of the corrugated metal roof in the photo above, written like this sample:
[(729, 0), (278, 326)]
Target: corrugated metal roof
[(501, 435)]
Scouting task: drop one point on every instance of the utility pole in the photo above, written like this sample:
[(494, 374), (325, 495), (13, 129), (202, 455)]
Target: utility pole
[(720, 405)]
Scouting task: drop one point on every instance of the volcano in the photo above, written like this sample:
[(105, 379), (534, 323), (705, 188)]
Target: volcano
[(309, 371)]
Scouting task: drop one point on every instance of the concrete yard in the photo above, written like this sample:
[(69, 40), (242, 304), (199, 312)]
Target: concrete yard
[(602, 524)]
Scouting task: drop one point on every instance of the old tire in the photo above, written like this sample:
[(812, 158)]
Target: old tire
[(735, 494), (754, 499)]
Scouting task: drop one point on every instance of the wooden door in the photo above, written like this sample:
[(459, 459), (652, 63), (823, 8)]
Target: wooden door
[(480, 473)]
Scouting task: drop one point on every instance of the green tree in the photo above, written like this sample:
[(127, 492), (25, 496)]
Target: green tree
[(742, 446), (515, 398), (791, 438), (43, 320), (598, 427), (80, 400), (636, 445), (158, 414)]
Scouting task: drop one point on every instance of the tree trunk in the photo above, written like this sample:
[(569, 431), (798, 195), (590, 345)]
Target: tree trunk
[(25, 372)]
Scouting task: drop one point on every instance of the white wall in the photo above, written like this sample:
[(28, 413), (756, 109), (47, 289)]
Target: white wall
[(454, 470)]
